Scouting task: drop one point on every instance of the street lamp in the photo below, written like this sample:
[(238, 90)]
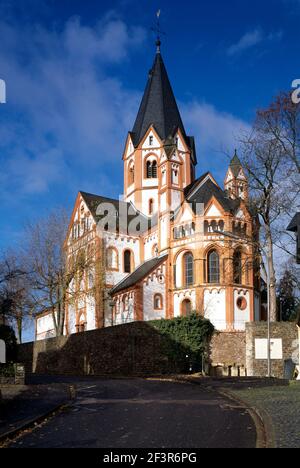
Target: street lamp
[(266, 255)]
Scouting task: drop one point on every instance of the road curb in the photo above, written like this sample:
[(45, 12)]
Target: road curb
[(30, 424), (262, 421)]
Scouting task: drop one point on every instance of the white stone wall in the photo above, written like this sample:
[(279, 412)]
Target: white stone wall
[(215, 307), (149, 244), (241, 316), (90, 313), (146, 195), (181, 296), (121, 243), (71, 319), (155, 284)]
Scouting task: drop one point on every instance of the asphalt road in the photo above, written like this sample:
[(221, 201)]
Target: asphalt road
[(144, 413)]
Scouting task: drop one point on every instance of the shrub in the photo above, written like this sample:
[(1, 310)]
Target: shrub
[(186, 339), (8, 335)]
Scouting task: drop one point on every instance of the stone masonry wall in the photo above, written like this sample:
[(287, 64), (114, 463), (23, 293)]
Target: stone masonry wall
[(228, 349), (287, 331)]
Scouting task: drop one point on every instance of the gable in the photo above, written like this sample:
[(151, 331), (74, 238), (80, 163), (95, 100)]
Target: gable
[(155, 143), (184, 215), (240, 214), (213, 210)]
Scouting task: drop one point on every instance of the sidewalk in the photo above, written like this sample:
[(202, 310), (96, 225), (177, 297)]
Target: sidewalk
[(22, 405), (282, 405)]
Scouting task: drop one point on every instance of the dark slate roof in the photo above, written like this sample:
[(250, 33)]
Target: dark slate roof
[(158, 107), (294, 225), (93, 201), (138, 274), (208, 189), (235, 164)]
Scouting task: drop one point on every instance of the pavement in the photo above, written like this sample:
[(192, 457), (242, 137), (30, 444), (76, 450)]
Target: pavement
[(280, 408), (139, 413), (23, 405)]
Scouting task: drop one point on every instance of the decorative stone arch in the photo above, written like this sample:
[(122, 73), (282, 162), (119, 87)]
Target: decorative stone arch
[(150, 166), (125, 260), (186, 307), (178, 266), (130, 172), (158, 302), (113, 263)]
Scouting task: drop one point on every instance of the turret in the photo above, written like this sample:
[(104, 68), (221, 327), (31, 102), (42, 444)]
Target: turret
[(236, 183)]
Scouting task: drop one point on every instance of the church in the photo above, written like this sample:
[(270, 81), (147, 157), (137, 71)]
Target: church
[(173, 243)]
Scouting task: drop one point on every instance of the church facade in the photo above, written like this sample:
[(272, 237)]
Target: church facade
[(173, 243)]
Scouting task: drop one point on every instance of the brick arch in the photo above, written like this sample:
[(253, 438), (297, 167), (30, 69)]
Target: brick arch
[(132, 261)]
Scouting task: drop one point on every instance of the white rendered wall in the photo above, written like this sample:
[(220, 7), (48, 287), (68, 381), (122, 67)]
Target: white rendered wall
[(151, 287), (241, 316), (148, 246), (215, 307), (181, 296), (121, 243)]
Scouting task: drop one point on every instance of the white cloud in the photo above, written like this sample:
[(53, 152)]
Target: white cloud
[(216, 132), (63, 107), (251, 39)]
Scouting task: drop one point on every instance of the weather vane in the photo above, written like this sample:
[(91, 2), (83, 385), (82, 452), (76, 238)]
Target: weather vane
[(158, 31)]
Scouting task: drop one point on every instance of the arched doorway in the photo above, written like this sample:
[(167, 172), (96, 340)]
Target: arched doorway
[(186, 308)]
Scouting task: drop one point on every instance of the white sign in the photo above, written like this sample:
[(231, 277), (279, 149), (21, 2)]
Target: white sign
[(2, 352), (2, 92), (261, 348)]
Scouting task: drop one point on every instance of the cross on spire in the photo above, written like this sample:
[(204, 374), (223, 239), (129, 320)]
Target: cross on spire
[(158, 31)]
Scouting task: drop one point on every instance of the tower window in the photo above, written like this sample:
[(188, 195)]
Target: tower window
[(151, 206), (151, 169), (131, 174), (150, 140), (237, 267)]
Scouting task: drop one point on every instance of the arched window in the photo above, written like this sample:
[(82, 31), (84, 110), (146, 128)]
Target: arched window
[(186, 308), (151, 169), (213, 267), (158, 302), (112, 258), (131, 174), (128, 261), (151, 206), (188, 268), (237, 267), (154, 170)]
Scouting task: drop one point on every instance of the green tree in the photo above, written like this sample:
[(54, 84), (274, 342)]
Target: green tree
[(288, 302)]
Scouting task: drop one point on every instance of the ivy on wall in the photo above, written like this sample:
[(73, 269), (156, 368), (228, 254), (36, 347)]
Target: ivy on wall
[(185, 340)]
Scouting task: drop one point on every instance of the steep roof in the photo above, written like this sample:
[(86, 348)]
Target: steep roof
[(158, 106), (93, 201), (138, 274), (235, 165), (207, 190)]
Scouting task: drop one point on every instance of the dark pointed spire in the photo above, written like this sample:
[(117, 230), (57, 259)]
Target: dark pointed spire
[(235, 164), (158, 106)]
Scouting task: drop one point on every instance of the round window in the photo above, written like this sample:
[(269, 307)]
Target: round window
[(241, 303)]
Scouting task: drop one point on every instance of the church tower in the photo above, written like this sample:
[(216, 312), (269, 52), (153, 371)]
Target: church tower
[(159, 158), (236, 183)]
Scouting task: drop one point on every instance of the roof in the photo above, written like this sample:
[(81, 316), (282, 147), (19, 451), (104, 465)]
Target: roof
[(93, 201), (294, 225), (207, 190), (235, 165), (138, 274), (158, 107)]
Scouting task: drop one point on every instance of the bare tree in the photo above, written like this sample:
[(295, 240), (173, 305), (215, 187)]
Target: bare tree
[(15, 298), (55, 274), (281, 122), (264, 160)]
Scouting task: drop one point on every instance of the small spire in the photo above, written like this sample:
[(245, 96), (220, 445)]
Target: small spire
[(158, 31)]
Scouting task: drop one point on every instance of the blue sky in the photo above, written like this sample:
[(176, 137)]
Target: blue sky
[(75, 71)]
